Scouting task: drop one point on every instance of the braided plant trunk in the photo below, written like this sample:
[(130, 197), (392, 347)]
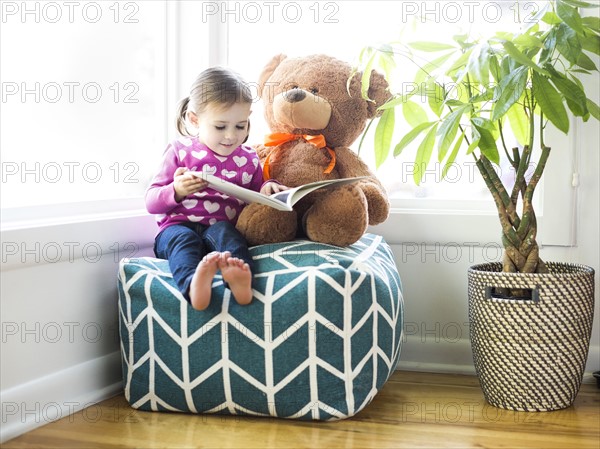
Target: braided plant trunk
[(519, 228)]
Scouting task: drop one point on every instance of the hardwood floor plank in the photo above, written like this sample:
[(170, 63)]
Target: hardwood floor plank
[(414, 410)]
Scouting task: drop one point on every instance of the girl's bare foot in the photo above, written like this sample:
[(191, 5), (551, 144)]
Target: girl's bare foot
[(237, 274), (201, 285)]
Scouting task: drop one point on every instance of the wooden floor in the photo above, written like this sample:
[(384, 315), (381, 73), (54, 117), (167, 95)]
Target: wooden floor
[(413, 410)]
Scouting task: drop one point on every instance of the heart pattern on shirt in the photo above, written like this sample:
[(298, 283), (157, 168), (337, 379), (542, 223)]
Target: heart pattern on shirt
[(195, 218), (246, 178), (240, 161), (189, 203), (230, 212), (182, 154), (228, 173), (209, 169), (211, 207), (199, 154)]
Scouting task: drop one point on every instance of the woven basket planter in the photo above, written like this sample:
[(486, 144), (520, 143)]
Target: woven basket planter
[(530, 354)]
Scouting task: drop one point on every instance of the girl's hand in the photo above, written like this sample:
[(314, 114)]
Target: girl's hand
[(272, 187), (185, 184)]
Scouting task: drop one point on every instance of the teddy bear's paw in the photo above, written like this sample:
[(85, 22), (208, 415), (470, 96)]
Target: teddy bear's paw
[(262, 224), (379, 204), (339, 218)]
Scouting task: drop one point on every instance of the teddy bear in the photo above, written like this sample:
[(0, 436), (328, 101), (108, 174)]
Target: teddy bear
[(315, 111)]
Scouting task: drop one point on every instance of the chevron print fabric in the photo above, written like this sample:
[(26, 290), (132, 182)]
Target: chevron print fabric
[(321, 337)]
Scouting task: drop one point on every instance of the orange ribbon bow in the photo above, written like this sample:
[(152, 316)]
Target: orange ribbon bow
[(272, 140)]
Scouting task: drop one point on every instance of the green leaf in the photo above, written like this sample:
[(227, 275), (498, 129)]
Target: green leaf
[(551, 18), (413, 113), (532, 24), (585, 62), (575, 96), (435, 96), (447, 131), (594, 109), (509, 91), (519, 57), (592, 22), (591, 44), (570, 16), (366, 77), (410, 136), (424, 155), (475, 138), (587, 115), (460, 63), (479, 64), (484, 97), (579, 4), (550, 102), (482, 122), (386, 60), (454, 103), (567, 43), (430, 46), (453, 155), (495, 68), (528, 40), (519, 123), (437, 63), (487, 144), (585, 72), (397, 101), (383, 136)]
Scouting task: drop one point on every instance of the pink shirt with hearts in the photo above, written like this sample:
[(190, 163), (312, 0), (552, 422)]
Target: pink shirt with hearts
[(242, 167)]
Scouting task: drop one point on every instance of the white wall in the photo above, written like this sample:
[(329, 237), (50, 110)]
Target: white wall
[(58, 305)]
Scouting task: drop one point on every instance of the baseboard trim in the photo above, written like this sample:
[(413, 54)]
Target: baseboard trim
[(426, 367), (47, 399)]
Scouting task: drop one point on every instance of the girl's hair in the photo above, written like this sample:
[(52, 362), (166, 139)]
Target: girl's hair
[(216, 86)]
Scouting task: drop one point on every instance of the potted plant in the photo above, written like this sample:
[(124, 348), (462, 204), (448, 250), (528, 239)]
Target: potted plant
[(530, 320)]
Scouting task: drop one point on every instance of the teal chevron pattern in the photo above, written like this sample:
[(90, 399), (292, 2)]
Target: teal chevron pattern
[(320, 339)]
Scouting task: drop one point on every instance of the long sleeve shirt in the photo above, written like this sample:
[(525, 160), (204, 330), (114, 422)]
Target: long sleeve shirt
[(241, 167)]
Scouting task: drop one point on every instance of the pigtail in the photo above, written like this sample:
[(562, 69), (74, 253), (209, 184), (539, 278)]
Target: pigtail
[(182, 117)]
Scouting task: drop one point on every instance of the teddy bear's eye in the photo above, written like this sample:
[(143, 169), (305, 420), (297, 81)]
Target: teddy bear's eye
[(314, 90)]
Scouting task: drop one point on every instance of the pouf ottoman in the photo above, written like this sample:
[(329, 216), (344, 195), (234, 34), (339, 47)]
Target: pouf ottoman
[(321, 337)]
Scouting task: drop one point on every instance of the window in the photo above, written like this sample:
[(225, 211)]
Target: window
[(89, 89), (83, 101), (343, 29)]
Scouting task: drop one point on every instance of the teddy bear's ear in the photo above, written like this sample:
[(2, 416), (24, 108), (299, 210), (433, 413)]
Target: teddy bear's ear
[(378, 92), (268, 71)]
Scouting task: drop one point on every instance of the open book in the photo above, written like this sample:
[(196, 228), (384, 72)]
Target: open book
[(281, 200)]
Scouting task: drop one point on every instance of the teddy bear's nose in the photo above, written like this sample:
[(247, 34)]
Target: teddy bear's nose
[(295, 95)]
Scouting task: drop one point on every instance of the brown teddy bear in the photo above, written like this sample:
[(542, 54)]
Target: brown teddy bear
[(315, 113)]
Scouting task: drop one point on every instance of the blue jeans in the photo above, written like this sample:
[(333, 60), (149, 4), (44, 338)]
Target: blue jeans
[(184, 245)]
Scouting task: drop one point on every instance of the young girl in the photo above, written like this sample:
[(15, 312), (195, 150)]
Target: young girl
[(197, 231)]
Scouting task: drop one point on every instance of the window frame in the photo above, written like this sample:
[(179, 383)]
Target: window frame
[(14, 218), (409, 221), (467, 222)]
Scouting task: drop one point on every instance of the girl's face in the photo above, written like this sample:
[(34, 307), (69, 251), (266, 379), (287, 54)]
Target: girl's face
[(222, 130)]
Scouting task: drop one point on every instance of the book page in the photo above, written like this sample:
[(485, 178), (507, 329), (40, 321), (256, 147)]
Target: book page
[(245, 195), (283, 201)]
